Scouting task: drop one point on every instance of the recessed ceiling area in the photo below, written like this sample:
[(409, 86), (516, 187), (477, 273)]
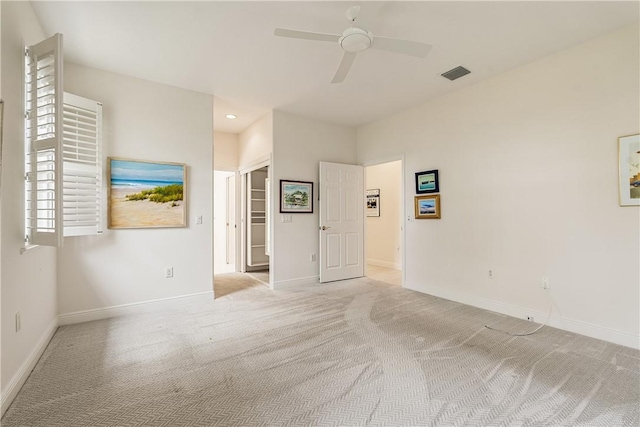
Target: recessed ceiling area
[(228, 49)]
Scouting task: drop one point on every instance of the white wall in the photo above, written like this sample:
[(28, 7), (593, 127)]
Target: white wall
[(528, 181), (28, 281), (256, 141), (299, 144), (226, 151), (148, 121), (383, 236)]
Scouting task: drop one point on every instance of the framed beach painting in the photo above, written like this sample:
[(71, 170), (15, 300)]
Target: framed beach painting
[(427, 182), (296, 196), (1, 127), (427, 207), (144, 194), (629, 170)]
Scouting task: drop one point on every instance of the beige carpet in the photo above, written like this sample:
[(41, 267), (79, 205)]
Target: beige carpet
[(353, 353), (229, 283)]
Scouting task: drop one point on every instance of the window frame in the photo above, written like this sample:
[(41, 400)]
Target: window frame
[(62, 132)]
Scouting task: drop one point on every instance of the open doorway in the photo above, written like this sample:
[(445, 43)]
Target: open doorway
[(256, 224), (383, 223), (240, 224)]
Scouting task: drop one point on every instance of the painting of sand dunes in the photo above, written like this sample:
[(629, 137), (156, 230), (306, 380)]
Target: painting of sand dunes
[(146, 194), (629, 170)]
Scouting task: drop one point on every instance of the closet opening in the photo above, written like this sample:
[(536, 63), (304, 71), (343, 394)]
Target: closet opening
[(257, 223), (241, 229)]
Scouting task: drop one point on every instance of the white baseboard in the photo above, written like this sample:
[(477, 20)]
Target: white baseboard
[(126, 309), (292, 283), (385, 264), (18, 380), (577, 326)]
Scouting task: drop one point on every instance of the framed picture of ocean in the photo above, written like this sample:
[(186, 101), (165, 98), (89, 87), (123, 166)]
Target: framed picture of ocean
[(427, 207), (427, 182), (144, 194)]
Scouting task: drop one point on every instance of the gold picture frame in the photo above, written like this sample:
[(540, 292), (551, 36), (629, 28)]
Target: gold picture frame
[(146, 194), (427, 206), (1, 127), (629, 170)]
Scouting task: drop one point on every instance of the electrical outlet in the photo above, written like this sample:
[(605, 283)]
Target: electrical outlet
[(530, 318), (168, 272), (490, 274), (18, 322), (545, 282), (312, 257)]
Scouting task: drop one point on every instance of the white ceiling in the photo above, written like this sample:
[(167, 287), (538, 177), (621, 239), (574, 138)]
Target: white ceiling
[(228, 48)]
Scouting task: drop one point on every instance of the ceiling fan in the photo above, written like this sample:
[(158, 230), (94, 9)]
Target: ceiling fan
[(354, 40)]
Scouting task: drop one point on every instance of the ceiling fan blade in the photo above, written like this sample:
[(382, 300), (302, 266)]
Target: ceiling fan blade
[(407, 47), (281, 32), (344, 67)]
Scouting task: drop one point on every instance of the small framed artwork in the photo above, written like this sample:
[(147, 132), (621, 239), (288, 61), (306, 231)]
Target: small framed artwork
[(296, 196), (1, 117), (629, 170), (427, 182), (373, 202), (144, 194), (427, 207)]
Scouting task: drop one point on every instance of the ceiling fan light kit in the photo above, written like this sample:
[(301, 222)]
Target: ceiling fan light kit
[(354, 40)]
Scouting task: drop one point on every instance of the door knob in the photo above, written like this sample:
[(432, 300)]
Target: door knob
[(324, 228)]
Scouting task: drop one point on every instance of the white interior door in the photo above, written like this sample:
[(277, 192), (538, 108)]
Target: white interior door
[(231, 220), (341, 221), (223, 261)]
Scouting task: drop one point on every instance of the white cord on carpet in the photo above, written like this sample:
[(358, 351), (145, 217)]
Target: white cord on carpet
[(524, 334)]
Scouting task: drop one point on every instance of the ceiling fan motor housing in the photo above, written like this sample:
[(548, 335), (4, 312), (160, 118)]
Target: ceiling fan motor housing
[(355, 40)]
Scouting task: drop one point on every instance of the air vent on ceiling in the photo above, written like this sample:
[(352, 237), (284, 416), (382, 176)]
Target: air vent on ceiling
[(455, 73)]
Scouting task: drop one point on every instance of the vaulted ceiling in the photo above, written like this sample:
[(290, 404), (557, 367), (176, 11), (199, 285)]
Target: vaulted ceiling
[(228, 49)]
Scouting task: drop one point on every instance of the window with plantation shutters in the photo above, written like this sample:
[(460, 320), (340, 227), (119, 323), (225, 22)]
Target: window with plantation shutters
[(43, 137), (63, 159), (82, 166)]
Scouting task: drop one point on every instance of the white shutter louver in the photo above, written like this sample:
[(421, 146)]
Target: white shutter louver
[(82, 169), (43, 124)]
